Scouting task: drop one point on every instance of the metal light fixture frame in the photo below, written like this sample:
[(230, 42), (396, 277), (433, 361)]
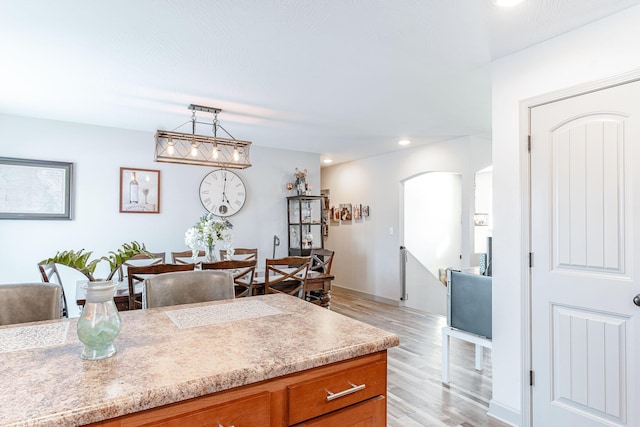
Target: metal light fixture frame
[(202, 150)]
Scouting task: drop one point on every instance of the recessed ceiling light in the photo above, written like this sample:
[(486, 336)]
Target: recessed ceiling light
[(404, 142), (328, 161), (506, 3)]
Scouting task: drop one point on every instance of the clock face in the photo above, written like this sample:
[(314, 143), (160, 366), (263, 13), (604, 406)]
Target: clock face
[(222, 192)]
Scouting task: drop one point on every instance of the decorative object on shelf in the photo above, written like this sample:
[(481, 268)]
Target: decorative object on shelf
[(222, 192), (203, 150), (139, 190), (301, 181), (206, 233), (99, 323), (305, 224), (49, 186), (289, 188)]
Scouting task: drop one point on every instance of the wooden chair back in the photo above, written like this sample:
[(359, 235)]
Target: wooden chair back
[(286, 275), (242, 270), (49, 273), (186, 257), (188, 287), (240, 254), (138, 260), (29, 302), (137, 274), (321, 260)]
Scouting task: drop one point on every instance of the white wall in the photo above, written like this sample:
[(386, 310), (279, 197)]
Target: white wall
[(367, 256), (97, 154), (602, 49)]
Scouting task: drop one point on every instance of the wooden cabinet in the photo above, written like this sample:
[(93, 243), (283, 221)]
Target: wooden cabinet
[(304, 221), (370, 413), (348, 393)]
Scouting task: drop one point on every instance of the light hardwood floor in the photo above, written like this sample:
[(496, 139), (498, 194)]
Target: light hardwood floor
[(416, 395)]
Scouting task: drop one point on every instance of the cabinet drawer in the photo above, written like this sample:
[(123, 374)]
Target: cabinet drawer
[(317, 397), (250, 411), (370, 413)]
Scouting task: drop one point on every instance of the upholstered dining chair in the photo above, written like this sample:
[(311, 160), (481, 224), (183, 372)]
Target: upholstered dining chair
[(137, 274), (29, 302), (188, 287), (49, 273), (141, 260), (240, 254), (242, 270), (186, 257), (286, 275)]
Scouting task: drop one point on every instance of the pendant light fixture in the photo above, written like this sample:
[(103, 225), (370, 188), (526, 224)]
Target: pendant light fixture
[(204, 150)]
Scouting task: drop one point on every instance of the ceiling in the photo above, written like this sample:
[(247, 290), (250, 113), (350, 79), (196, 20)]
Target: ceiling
[(343, 78)]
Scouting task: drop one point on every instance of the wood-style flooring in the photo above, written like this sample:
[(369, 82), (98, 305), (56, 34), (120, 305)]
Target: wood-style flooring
[(416, 395)]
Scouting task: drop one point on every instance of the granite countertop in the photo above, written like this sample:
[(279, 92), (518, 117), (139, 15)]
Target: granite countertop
[(170, 354)]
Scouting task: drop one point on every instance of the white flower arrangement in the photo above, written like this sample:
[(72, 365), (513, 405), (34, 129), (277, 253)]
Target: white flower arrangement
[(207, 232)]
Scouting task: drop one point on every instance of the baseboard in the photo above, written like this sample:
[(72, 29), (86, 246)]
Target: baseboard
[(368, 296), (504, 413)]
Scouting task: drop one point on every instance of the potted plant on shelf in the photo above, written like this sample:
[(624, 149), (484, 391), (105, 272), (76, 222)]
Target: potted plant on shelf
[(99, 323)]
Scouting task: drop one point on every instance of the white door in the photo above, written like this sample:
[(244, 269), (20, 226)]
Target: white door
[(585, 238)]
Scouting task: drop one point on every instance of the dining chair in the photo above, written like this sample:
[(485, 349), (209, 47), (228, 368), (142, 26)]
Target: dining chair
[(29, 302), (321, 260), (240, 254), (137, 275), (140, 260), (242, 270), (49, 273), (286, 275), (188, 287), (186, 257)]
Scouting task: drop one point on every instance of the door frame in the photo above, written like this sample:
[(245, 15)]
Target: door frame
[(525, 202)]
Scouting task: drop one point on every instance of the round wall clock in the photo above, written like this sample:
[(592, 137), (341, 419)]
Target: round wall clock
[(222, 192)]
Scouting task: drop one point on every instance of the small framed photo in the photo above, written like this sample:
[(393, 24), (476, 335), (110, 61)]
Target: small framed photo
[(335, 214), (365, 210), (357, 209), (346, 212), (139, 190), (35, 189)]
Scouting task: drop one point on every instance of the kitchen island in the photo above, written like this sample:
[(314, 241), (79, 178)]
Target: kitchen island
[(270, 360)]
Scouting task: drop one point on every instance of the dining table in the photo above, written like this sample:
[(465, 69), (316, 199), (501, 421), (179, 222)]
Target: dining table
[(318, 283)]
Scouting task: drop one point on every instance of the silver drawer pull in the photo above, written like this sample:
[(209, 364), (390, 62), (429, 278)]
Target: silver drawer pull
[(353, 389)]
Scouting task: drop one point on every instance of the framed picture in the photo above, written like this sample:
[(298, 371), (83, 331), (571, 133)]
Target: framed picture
[(357, 209), (365, 210), (346, 212), (139, 190), (35, 189), (335, 214)]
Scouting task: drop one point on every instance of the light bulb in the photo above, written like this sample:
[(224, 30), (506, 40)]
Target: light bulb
[(170, 149), (215, 153), (194, 150), (236, 155)]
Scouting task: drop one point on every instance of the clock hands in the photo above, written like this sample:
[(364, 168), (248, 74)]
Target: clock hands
[(224, 188)]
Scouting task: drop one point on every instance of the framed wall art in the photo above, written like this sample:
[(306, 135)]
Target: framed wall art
[(35, 189), (139, 190), (346, 212)]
